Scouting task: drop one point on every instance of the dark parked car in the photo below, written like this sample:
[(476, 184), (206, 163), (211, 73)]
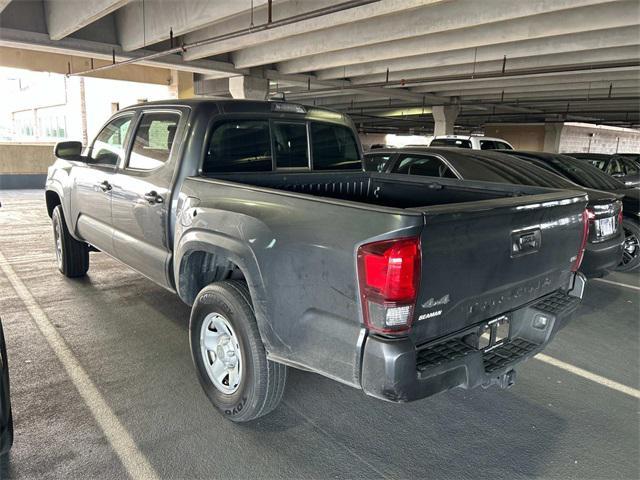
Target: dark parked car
[(604, 249), (6, 421), (582, 173), (624, 169)]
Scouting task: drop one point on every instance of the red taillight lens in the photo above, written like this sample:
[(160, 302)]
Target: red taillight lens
[(620, 216), (389, 272), (586, 218)]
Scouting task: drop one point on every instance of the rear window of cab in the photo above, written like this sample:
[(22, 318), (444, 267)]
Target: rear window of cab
[(238, 146)]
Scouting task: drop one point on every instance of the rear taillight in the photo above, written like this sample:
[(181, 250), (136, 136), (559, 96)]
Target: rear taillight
[(620, 216), (389, 274), (586, 218)]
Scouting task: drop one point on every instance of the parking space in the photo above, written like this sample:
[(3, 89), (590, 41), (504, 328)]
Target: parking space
[(104, 386)]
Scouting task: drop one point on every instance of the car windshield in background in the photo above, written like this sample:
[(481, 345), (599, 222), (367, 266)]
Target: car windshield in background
[(450, 142)]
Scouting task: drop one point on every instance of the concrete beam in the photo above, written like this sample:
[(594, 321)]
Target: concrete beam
[(142, 23), (285, 10), (104, 51), (497, 29), (3, 4), (614, 55), (554, 87), (595, 75), (559, 94), (403, 67), (59, 63), (67, 16)]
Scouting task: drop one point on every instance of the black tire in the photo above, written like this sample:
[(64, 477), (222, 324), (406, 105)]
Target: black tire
[(631, 251), (72, 256), (262, 381)]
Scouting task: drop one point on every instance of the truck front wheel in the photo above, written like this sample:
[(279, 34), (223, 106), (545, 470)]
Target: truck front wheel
[(72, 256), (229, 356)]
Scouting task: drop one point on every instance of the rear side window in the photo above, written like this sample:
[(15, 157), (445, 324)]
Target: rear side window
[(502, 146), (290, 144), (450, 142), (154, 140), (631, 168), (239, 146), (334, 148), (378, 162)]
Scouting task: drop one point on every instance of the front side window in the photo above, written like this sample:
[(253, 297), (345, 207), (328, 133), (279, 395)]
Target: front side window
[(423, 165), (108, 147), (154, 140), (290, 144), (239, 146), (334, 147), (378, 162)]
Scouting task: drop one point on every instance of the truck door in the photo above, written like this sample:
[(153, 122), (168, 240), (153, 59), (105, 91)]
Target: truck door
[(141, 195), (91, 195)]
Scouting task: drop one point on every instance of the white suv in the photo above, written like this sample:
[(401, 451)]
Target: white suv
[(474, 142)]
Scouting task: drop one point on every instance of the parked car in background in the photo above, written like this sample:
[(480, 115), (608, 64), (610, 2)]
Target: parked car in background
[(6, 419), (604, 249), (473, 142), (624, 169), (260, 216), (631, 156), (585, 174)]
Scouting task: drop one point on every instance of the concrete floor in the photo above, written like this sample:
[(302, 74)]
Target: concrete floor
[(130, 337)]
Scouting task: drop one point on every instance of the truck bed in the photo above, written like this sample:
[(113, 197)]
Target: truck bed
[(387, 190)]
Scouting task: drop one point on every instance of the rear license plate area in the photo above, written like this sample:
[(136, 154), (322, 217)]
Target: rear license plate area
[(494, 333), (605, 227)]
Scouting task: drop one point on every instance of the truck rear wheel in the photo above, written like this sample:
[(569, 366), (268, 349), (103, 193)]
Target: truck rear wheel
[(72, 256), (229, 356)]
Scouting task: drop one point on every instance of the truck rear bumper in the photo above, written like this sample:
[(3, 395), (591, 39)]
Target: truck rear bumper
[(395, 370)]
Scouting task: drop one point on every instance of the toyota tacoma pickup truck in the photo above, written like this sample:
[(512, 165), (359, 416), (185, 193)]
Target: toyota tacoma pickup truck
[(260, 216)]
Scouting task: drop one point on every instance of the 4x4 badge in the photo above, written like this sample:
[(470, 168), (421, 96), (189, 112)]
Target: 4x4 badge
[(432, 302)]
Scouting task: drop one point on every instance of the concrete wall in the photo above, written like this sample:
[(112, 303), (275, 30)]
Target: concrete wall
[(24, 165), (584, 137), (521, 136)]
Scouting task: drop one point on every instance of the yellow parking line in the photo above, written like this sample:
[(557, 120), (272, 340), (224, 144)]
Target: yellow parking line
[(133, 460)]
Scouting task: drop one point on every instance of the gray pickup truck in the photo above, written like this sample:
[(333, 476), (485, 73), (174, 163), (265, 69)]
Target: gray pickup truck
[(260, 216)]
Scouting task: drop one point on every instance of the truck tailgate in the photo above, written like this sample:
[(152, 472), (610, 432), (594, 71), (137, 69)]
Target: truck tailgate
[(484, 259)]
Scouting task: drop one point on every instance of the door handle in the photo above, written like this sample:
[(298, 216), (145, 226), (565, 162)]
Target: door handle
[(105, 186), (153, 197)]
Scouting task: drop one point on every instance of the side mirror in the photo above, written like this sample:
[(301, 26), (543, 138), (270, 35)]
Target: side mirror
[(68, 150)]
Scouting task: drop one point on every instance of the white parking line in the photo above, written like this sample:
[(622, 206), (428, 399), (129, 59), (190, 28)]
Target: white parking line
[(133, 460), (626, 285), (632, 392)]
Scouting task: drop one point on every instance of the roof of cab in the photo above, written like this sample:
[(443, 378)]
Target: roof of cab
[(227, 105)]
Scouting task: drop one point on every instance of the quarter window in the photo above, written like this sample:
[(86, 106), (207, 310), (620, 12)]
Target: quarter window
[(108, 147), (154, 140)]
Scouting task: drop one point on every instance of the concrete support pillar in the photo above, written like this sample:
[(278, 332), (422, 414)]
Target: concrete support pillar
[(444, 117), (552, 134), (181, 85), (249, 87)]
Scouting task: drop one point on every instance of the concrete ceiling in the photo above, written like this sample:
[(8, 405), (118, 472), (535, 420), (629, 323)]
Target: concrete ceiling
[(386, 62)]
